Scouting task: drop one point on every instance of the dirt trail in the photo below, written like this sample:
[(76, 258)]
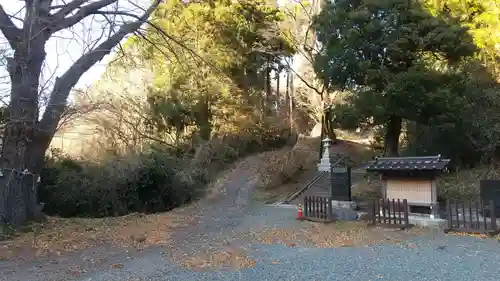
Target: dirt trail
[(221, 214), (216, 218)]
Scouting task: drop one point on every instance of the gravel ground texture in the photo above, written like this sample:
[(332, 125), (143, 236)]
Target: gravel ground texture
[(444, 258), (234, 238)]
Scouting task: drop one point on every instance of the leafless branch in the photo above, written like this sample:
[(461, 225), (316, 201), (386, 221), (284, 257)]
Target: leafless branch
[(304, 80), (9, 30), (75, 111), (67, 8), (62, 21), (69, 79)]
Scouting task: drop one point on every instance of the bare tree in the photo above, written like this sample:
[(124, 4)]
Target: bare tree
[(27, 135), (311, 91)]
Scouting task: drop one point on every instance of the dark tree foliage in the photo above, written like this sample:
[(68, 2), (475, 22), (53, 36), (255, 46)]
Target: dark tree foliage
[(400, 63)]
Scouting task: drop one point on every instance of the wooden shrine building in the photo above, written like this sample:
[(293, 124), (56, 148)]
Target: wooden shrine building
[(410, 178)]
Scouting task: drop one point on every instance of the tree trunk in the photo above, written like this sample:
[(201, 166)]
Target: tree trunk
[(393, 131), (326, 121), (277, 98), (322, 135), (26, 138), (268, 90), (328, 128), (24, 142), (19, 197), (287, 95), (204, 118)]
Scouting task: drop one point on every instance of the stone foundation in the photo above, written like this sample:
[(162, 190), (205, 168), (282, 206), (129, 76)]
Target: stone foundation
[(351, 205), (426, 221)]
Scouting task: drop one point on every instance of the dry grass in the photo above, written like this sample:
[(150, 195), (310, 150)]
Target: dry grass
[(363, 138), (367, 189), (288, 169), (340, 234), (465, 183), (58, 235), (230, 258), (285, 165), (357, 152)]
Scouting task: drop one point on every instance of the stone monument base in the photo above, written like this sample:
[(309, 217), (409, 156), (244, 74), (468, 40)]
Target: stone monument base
[(352, 205), (345, 210)]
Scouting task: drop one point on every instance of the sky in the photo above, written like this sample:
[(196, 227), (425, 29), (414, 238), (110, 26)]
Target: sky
[(67, 46)]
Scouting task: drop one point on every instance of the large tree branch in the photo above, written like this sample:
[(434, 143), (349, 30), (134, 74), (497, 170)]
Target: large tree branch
[(9, 30), (68, 80), (303, 80), (63, 22), (66, 9)]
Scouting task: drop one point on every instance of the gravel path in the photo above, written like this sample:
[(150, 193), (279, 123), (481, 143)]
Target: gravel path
[(453, 258), (444, 258), (431, 257)]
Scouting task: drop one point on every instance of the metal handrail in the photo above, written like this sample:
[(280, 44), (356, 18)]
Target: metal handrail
[(291, 196), (301, 190)]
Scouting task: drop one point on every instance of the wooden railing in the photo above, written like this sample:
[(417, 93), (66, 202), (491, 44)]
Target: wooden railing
[(390, 213), (471, 216), (318, 208)]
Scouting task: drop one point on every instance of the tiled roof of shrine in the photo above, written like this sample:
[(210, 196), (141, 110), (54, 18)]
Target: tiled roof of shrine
[(426, 163)]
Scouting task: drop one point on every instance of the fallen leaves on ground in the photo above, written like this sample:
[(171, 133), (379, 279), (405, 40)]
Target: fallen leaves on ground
[(226, 259), (475, 235), (117, 265), (341, 234), (59, 235)]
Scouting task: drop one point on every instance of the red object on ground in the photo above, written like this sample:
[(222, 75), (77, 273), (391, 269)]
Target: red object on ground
[(300, 214)]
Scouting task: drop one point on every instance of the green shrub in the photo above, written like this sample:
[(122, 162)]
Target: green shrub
[(153, 181), (72, 187)]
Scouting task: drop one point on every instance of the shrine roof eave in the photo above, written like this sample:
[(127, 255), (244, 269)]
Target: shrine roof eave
[(405, 164)]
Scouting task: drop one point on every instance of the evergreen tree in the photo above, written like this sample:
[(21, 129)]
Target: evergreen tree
[(396, 59)]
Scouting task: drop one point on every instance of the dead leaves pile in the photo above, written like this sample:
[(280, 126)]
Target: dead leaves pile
[(227, 259), (474, 235), (58, 235), (284, 165), (335, 235)]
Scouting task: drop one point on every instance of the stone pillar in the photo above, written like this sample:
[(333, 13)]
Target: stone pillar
[(434, 205), (325, 165)]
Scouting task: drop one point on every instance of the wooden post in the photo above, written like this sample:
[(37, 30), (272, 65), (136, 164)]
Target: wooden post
[(470, 215), (374, 212), (434, 204), (463, 214), (384, 207), (330, 209), (484, 216), (478, 224), (393, 211), (304, 208), (324, 214), (349, 183), (313, 206), (316, 205), (450, 214), (493, 216), (379, 215), (400, 221), (407, 220)]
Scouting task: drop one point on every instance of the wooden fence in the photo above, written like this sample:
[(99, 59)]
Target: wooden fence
[(390, 213), (471, 216), (318, 208)]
